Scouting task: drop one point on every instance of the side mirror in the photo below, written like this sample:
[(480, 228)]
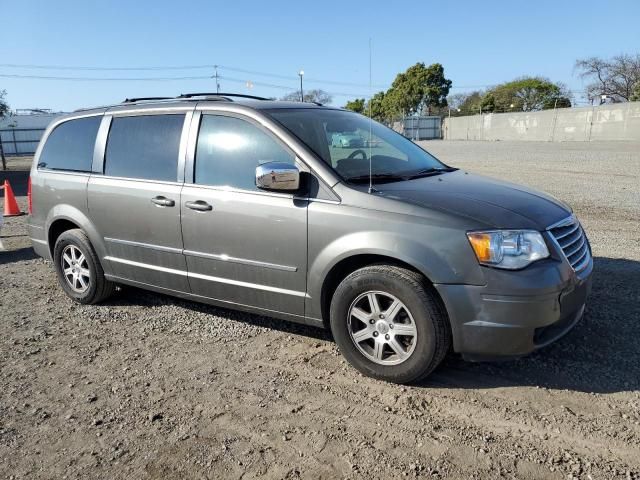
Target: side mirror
[(277, 176)]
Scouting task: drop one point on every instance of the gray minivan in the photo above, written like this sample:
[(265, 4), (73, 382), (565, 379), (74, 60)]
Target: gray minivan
[(246, 203)]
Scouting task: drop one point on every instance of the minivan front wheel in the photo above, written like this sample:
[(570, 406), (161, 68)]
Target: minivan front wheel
[(388, 324), (78, 268)]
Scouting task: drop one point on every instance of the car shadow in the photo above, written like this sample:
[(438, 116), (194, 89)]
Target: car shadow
[(600, 355), (18, 255), (135, 296)]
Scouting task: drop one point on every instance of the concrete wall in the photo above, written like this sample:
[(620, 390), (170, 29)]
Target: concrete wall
[(619, 121)]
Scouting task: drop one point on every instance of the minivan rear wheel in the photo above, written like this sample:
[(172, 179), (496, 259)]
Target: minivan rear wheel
[(78, 268), (389, 324)]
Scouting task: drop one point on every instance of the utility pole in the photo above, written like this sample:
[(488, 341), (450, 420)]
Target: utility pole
[(216, 77), (301, 73), (4, 160)]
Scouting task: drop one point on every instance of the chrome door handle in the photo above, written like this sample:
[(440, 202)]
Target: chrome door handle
[(163, 201), (199, 205)]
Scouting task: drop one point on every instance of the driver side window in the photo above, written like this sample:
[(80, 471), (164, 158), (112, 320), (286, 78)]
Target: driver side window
[(229, 149)]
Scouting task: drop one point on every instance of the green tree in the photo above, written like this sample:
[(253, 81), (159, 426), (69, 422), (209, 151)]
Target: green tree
[(356, 105), (378, 106), (4, 106), (418, 89), (636, 94), (526, 94), (310, 96)]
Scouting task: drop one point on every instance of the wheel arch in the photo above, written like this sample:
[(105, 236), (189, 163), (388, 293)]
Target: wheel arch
[(66, 217), (57, 228), (349, 264)]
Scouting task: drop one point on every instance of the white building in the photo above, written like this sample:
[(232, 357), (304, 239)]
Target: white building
[(21, 131)]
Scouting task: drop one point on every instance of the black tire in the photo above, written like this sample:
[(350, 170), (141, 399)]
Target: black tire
[(426, 309), (99, 288)]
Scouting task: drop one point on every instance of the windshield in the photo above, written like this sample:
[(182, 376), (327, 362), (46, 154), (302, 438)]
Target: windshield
[(342, 140)]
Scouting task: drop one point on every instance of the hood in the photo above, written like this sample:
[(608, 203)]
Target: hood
[(495, 203)]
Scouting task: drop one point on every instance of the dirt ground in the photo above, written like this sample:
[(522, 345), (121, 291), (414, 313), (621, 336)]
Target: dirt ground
[(148, 386)]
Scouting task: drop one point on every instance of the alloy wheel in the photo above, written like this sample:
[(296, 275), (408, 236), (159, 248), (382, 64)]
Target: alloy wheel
[(75, 269), (382, 328)]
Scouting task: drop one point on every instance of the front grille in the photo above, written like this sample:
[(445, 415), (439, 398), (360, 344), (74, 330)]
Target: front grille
[(572, 241)]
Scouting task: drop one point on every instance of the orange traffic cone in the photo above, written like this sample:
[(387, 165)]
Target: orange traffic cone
[(11, 208)]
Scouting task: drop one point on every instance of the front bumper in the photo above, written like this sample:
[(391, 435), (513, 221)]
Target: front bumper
[(516, 312)]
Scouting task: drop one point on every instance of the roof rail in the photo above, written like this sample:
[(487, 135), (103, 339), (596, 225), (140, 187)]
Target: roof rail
[(208, 94), (185, 96), (140, 99)]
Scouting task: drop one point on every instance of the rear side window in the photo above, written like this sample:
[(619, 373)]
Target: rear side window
[(144, 147), (229, 150), (70, 145)]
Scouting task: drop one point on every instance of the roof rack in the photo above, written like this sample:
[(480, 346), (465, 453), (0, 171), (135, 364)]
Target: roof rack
[(185, 96), (140, 99), (208, 94)]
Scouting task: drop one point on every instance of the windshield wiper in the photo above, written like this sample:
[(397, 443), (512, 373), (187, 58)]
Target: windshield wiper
[(376, 176), (427, 172), (391, 177)]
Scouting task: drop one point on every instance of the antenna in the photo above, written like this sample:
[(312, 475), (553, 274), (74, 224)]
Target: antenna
[(370, 123)]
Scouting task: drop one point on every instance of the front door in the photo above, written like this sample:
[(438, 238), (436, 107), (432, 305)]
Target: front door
[(135, 205), (242, 245)]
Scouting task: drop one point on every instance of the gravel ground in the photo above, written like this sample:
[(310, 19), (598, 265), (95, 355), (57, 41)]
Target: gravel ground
[(148, 386)]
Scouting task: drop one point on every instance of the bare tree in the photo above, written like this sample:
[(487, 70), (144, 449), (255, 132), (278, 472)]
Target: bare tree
[(457, 99), (616, 77), (317, 95)]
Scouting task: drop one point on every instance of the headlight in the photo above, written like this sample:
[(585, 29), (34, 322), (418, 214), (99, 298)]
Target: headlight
[(511, 249)]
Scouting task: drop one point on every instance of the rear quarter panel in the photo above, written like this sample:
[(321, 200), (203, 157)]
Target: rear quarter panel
[(61, 196), (56, 195)]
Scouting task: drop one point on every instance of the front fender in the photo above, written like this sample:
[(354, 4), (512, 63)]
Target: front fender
[(434, 256)]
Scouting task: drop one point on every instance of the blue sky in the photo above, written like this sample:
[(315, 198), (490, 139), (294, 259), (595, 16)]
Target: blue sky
[(479, 43)]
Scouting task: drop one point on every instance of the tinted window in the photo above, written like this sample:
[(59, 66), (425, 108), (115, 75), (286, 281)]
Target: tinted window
[(70, 145), (230, 149), (144, 147)]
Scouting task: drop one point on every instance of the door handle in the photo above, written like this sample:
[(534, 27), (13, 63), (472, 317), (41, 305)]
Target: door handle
[(163, 201), (199, 205)]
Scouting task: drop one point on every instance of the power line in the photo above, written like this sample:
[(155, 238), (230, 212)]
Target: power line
[(105, 69), (206, 67), (101, 79), (284, 87), (289, 77), (182, 67), (166, 79), (196, 77)]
